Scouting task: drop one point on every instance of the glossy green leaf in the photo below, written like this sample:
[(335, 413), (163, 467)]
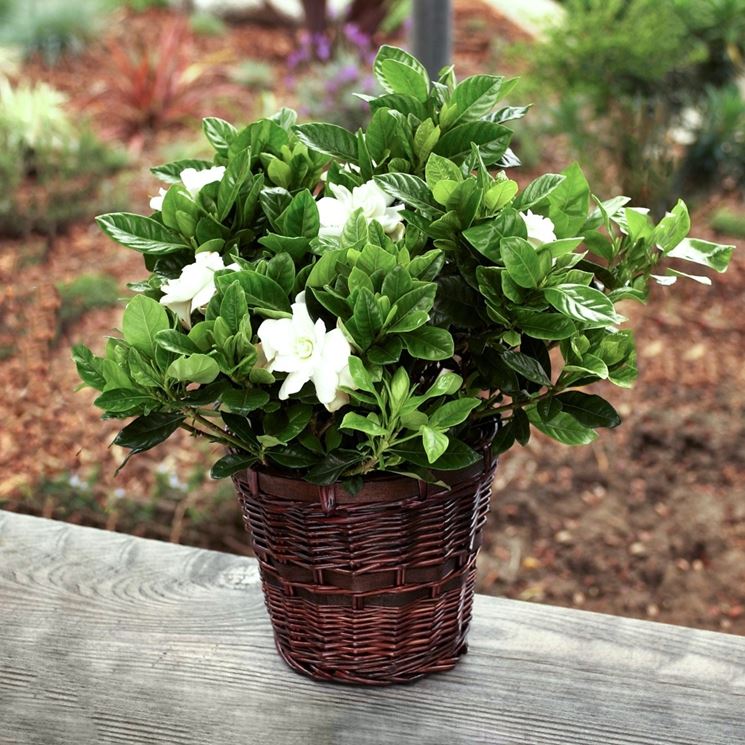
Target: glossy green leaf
[(143, 319), (585, 304), (330, 139), (140, 233), (197, 368), (590, 410), (429, 343), (398, 72)]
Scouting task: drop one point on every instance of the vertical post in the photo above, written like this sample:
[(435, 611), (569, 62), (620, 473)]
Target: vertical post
[(431, 33)]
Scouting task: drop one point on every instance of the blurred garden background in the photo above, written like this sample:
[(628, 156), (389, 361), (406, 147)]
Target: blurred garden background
[(649, 97)]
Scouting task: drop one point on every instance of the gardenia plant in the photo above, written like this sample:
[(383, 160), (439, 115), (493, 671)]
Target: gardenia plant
[(333, 304)]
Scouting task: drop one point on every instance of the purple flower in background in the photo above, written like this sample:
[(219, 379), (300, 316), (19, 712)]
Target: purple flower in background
[(347, 74), (323, 47), (356, 36)]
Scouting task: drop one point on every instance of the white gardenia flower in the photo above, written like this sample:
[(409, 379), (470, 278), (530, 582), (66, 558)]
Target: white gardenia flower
[(374, 202), (307, 352), (194, 180), (156, 202), (540, 229), (195, 286)]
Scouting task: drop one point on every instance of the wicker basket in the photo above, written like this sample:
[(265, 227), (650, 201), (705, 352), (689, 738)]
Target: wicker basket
[(374, 588)]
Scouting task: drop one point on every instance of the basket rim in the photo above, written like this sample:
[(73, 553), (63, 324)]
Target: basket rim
[(377, 487)]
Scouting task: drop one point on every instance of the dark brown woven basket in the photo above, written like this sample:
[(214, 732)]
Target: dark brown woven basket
[(374, 588)]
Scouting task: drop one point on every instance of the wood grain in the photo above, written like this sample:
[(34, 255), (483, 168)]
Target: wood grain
[(105, 638)]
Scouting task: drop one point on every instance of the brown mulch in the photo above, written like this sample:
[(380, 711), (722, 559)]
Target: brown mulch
[(649, 521)]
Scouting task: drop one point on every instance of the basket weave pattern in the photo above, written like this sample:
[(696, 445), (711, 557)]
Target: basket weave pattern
[(374, 588)]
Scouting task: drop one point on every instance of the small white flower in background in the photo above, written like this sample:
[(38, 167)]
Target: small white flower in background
[(307, 352), (194, 180), (686, 133), (195, 285), (76, 482), (540, 229), (374, 202)]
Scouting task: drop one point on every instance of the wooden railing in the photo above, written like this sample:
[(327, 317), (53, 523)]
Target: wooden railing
[(106, 638)]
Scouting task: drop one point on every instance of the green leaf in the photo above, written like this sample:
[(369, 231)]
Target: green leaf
[(457, 456), (175, 341), (140, 233), (542, 325), (294, 456), (526, 366), (592, 411), (361, 377), (673, 228), (143, 319), (171, 172), (230, 464), (387, 353), (435, 443), (412, 320), (452, 413), (456, 142), (563, 427), (333, 466), (538, 190), (441, 169), (123, 401), (359, 423), (330, 139), (301, 216), (569, 202), (233, 306), (486, 236), (582, 303), (324, 270), (198, 368), (523, 264), (148, 431), (504, 439), (235, 176), (219, 133), (88, 366), (475, 97), (242, 401), (396, 283), (714, 255), (500, 194), (367, 318), (409, 189), (260, 291), (429, 343), (398, 72)]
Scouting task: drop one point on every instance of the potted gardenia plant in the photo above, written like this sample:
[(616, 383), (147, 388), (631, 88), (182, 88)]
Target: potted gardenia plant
[(365, 321)]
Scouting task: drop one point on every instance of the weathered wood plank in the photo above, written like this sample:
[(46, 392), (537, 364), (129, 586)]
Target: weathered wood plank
[(105, 638)]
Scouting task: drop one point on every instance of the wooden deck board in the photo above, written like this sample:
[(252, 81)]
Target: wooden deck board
[(106, 638)]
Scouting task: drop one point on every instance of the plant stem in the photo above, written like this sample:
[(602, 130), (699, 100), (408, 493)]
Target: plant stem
[(220, 434)]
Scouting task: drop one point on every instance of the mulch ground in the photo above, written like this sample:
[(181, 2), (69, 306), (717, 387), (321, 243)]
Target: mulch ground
[(649, 521)]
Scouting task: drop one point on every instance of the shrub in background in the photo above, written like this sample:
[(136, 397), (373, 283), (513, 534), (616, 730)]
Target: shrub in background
[(716, 148), (50, 166), (149, 88), (624, 74), (50, 27), (82, 295)]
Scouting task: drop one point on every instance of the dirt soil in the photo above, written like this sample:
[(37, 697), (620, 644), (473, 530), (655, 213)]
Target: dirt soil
[(648, 522)]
